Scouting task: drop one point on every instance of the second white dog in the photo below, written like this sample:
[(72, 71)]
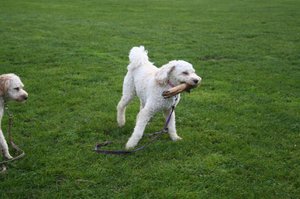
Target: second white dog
[(11, 88), (148, 82)]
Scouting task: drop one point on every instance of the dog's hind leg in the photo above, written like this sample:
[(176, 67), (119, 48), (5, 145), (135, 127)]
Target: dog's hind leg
[(127, 96)]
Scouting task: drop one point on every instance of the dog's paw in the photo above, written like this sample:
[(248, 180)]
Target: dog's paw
[(121, 121), (176, 138), (8, 156), (130, 145), (3, 169)]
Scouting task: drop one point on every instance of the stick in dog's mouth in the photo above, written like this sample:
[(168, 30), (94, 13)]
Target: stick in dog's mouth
[(178, 89)]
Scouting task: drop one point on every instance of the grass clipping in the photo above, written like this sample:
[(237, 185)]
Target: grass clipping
[(178, 89)]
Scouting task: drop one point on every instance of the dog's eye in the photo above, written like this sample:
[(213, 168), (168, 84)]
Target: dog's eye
[(17, 88), (185, 73)]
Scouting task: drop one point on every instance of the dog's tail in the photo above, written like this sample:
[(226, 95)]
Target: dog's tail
[(138, 56)]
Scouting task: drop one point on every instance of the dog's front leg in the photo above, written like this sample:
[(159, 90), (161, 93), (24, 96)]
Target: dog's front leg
[(172, 126), (142, 120), (3, 146)]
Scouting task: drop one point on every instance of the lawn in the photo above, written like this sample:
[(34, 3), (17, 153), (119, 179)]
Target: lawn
[(240, 129)]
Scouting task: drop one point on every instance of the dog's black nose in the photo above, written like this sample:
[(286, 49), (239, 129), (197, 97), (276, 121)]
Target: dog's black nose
[(196, 81), (25, 97)]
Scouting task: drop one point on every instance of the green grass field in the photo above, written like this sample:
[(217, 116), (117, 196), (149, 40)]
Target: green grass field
[(240, 129)]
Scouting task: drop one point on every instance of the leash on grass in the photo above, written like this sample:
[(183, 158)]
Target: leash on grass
[(154, 136), (14, 146)]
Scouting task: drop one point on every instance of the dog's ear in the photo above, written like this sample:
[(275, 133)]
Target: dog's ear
[(162, 75), (4, 83)]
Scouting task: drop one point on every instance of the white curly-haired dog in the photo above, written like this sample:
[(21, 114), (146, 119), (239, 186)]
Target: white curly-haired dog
[(11, 88), (148, 82)]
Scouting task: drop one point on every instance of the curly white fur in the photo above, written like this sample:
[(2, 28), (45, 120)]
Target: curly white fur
[(11, 88), (148, 82)]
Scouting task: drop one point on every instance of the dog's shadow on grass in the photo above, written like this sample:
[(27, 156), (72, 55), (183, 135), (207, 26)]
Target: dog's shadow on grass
[(118, 136), (117, 133)]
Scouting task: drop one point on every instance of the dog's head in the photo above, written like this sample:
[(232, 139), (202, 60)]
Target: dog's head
[(11, 88), (177, 72)]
